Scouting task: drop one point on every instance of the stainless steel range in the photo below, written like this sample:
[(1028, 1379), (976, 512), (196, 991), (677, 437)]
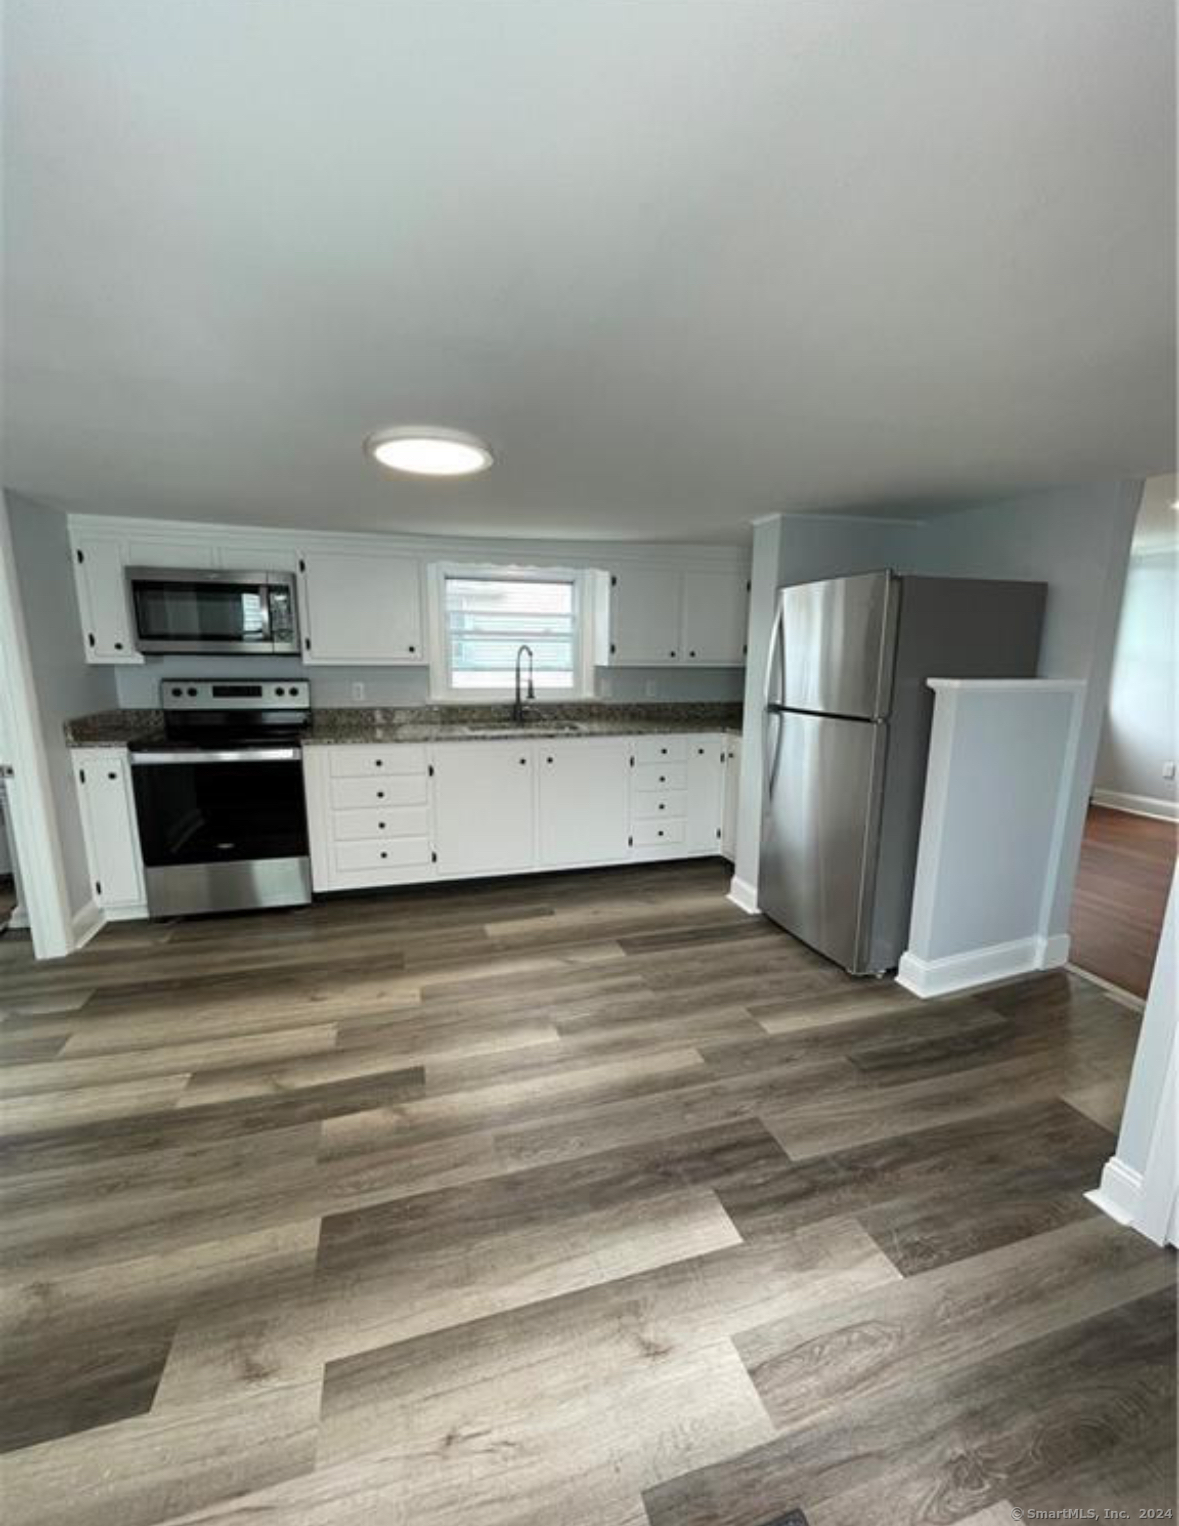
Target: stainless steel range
[(219, 797)]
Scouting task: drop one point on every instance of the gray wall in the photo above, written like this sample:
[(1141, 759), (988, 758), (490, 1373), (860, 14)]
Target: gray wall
[(1077, 540), (1142, 724), (139, 687), (66, 686)]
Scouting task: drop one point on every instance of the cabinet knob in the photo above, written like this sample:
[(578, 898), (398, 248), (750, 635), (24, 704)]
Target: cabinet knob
[(548, 760), (523, 761), (662, 779), (380, 794), (663, 750), (381, 825), (118, 646), (384, 855), (699, 752), (413, 648), (671, 654), (112, 776), (662, 807), (660, 831), (691, 654), (378, 763)]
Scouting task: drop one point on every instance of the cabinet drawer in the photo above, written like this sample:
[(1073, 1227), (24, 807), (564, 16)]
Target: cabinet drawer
[(651, 805), (357, 762), (660, 776), (658, 834), (661, 749), (379, 790), (397, 821), (382, 853)]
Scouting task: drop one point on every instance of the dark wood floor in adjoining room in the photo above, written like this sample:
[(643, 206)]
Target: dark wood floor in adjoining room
[(576, 1201), (1121, 896)]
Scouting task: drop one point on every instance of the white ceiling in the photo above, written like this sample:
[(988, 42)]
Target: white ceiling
[(683, 262)]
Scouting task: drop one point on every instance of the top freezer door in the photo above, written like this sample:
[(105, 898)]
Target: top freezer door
[(837, 641)]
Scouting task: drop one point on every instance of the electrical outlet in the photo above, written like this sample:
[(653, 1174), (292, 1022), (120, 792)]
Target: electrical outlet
[(1168, 770), (652, 688), (358, 691)]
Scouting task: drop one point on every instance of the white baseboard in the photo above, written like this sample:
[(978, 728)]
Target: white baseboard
[(85, 923), (126, 913), (742, 894), (1120, 1191), (1137, 805), (981, 966), (18, 919)]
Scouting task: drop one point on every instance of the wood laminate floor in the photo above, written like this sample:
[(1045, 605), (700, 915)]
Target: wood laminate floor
[(575, 1201), (1122, 885)]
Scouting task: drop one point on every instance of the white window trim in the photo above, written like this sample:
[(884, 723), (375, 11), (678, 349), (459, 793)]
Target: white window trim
[(582, 578)]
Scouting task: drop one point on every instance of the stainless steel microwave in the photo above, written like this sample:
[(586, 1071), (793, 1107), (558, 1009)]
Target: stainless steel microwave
[(186, 609)]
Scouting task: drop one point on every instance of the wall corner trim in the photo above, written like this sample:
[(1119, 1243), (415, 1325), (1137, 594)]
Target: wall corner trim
[(743, 895), (1120, 1191), (981, 966), (85, 922)]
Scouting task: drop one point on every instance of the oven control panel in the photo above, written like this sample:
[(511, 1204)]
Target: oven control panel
[(235, 694)]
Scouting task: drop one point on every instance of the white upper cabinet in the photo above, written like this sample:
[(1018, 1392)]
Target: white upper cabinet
[(103, 606), (483, 807), (583, 812), (645, 616), (148, 551), (716, 612), (659, 617), (706, 792), (363, 608)]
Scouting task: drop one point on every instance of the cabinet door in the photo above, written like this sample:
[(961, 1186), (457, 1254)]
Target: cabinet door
[(716, 612), (584, 801), (732, 797), (102, 600), (706, 783), (483, 811), (108, 823), (645, 616), (361, 609)]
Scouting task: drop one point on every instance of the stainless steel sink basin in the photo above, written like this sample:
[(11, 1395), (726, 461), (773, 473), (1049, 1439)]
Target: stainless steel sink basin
[(508, 729)]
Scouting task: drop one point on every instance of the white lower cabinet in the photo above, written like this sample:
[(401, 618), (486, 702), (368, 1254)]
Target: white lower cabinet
[(483, 807), (583, 801), (402, 814), (107, 805)]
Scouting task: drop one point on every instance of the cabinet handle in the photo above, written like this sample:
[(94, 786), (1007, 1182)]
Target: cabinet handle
[(662, 807), (523, 761), (548, 760), (380, 794), (691, 654), (699, 752), (112, 776), (384, 855), (381, 825), (663, 750), (671, 654), (413, 648), (118, 646), (378, 762), (660, 831), (662, 779), (90, 638)]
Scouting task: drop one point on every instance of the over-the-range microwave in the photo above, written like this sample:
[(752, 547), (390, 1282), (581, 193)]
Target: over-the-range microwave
[(191, 610)]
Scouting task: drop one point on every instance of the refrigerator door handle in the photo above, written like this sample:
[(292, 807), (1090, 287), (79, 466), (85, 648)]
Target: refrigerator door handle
[(777, 632), (771, 754)]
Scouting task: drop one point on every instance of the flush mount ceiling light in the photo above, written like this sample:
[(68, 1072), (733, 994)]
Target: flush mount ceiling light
[(427, 452)]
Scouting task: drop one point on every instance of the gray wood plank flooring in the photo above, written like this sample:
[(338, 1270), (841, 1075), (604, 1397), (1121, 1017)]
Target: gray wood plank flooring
[(582, 1200)]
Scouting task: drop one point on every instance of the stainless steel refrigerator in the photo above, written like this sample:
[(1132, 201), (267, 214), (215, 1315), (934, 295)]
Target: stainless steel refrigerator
[(847, 720)]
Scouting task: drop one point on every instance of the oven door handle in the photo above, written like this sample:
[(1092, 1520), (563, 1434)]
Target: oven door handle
[(208, 755)]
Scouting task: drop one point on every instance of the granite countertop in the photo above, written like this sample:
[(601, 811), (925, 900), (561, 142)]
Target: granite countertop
[(423, 724)]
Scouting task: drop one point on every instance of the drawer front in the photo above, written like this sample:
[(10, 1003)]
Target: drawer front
[(356, 762), (662, 776), (658, 834), (661, 749), (377, 790), (650, 805), (397, 821), (382, 853)]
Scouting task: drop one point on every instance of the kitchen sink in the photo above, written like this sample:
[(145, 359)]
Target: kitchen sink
[(511, 729)]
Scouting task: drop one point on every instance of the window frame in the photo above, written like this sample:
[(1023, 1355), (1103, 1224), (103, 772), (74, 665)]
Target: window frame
[(443, 691)]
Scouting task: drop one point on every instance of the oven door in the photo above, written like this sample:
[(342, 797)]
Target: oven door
[(222, 831), (229, 612)]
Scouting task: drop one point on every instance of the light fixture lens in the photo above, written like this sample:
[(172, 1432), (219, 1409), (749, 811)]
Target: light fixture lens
[(429, 452)]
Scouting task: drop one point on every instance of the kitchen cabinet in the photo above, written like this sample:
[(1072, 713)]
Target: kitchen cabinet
[(361, 609), (147, 551), (483, 807), (103, 606), (715, 616), (645, 605), (583, 801), (662, 617), (732, 797), (106, 802), (705, 794), (368, 816)]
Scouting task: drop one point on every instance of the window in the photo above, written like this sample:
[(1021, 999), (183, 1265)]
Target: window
[(487, 614)]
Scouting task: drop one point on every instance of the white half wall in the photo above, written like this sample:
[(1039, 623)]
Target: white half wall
[(1002, 755)]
